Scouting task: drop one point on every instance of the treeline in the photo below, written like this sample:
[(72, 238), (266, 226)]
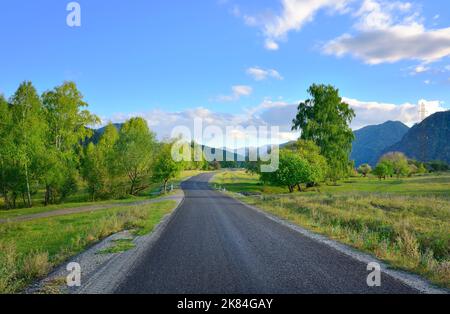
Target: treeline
[(399, 165), (43, 150), (40, 142)]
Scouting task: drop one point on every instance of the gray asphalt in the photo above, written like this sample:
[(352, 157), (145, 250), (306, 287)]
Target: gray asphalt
[(216, 245)]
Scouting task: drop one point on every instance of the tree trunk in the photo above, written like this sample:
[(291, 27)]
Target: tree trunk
[(165, 186), (47, 195), (28, 186), (132, 188), (14, 196), (5, 196), (299, 187)]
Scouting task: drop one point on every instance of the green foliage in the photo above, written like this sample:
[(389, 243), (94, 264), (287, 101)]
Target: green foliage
[(324, 119), (28, 136), (318, 163), (93, 170), (437, 166), (134, 154), (398, 163), (165, 167), (364, 169), (293, 170), (8, 169), (67, 123), (383, 170)]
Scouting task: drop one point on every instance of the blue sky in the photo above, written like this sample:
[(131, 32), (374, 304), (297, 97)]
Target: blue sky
[(232, 61)]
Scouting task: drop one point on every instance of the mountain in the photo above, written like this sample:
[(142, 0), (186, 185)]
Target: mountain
[(372, 140), (427, 141), (99, 132)]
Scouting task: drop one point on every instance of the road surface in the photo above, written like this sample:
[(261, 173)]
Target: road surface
[(214, 244)]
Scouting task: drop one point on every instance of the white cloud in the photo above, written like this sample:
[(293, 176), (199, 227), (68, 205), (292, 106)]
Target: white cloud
[(421, 69), (260, 74), (270, 44), (277, 113), (388, 32), (293, 16), (238, 91)]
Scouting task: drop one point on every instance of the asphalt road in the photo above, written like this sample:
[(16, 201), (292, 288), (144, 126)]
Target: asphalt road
[(215, 244)]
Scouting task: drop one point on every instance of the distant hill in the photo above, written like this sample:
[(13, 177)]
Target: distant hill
[(218, 151), (99, 132), (427, 141), (372, 140)]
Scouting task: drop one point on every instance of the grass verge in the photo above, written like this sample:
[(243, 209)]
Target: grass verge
[(405, 227), (120, 245), (29, 250)]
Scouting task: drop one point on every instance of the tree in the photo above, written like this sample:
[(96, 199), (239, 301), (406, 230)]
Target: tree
[(94, 170), (437, 166), (318, 164), (383, 170), (293, 170), (398, 162), (134, 153), (165, 167), (6, 151), (365, 169), (68, 123), (28, 134), (107, 153), (422, 169), (325, 119)]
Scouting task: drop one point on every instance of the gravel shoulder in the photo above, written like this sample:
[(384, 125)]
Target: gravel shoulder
[(102, 272)]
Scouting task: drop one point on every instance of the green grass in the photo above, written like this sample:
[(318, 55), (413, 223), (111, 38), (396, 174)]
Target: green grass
[(425, 185), (5, 214), (121, 245), (28, 250), (405, 222)]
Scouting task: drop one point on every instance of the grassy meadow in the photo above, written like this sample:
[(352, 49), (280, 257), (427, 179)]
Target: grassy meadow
[(405, 222), (29, 250)]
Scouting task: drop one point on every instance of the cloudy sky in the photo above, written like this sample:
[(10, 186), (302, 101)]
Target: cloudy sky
[(233, 62)]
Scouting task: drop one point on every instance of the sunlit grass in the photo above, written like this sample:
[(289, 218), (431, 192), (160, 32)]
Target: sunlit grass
[(404, 222), (28, 250)]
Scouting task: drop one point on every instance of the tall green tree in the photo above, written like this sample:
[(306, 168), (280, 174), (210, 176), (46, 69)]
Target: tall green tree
[(134, 153), (107, 152), (6, 151), (99, 166), (28, 133), (68, 122), (165, 167), (325, 119), (94, 171)]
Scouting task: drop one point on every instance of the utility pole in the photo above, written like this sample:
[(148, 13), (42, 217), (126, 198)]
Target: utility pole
[(422, 111)]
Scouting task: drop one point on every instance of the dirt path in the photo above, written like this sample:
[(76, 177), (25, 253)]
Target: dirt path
[(90, 208)]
